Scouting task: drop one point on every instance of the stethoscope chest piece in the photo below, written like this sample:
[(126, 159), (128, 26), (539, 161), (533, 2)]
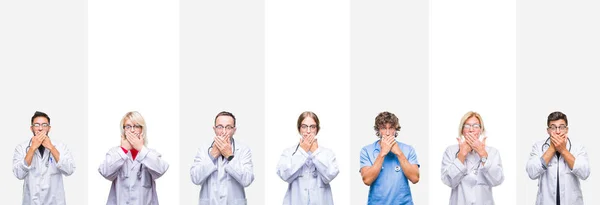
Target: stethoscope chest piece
[(397, 168)]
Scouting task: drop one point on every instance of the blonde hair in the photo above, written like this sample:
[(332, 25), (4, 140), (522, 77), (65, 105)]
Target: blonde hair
[(134, 117), (464, 119)]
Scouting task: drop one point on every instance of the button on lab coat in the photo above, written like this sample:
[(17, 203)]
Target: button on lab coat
[(570, 190), (133, 180), (222, 182), (308, 175), (42, 180), (472, 182)]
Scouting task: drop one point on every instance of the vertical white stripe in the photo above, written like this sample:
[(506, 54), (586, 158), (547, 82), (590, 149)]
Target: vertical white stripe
[(307, 68), (133, 65), (473, 67)]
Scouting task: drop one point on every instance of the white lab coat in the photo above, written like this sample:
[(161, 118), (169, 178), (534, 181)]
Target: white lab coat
[(472, 182), (42, 180), (570, 190), (133, 180), (308, 175), (222, 182)]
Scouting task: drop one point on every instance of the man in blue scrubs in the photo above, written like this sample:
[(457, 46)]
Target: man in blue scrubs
[(387, 165)]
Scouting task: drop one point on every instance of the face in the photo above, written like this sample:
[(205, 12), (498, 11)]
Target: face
[(40, 124), (132, 127), (224, 126), (387, 130), (308, 127), (558, 127), (472, 126)]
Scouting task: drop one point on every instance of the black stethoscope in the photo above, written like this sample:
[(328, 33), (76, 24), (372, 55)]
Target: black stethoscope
[(49, 158), (546, 145), (232, 150)]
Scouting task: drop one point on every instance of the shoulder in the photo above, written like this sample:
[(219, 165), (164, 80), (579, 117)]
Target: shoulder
[(452, 148), (370, 147), (491, 149), (326, 150), (405, 146)]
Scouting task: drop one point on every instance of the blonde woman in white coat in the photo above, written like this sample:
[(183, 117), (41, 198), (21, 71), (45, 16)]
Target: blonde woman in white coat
[(471, 168), (132, 167)]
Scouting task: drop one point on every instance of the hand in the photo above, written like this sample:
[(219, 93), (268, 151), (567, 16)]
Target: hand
[(386, 143), (478, 146), (559, 142), (125, 144), (37, 140), (307, 141), (314, 146), (396, 149), (47, 143), (136, 140), (223, 145), (464, 147)]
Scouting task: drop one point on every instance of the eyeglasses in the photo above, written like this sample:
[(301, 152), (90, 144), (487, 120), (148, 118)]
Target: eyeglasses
[(562, 128), (312, 127), (220, 127), (128, 127), (474, 126), (44, 125)]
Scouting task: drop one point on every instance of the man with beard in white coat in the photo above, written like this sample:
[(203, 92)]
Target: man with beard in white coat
[(223, 168), (41, 163)]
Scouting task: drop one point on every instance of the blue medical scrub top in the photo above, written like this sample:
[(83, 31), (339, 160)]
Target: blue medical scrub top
[(391, 186)]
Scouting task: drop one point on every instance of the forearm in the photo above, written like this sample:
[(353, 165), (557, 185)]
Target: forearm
[(569, 158), (548, 155), (29, 156), (369, 174), (410, 171), (55, 153)]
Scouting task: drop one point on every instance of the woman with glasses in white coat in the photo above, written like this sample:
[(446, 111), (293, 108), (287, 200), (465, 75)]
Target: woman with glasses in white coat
[(132, 167), (471, 168), (307, 167)]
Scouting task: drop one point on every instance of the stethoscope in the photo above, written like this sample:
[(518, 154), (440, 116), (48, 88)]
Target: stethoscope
[(546, 145), (232, 150), (49, 158)]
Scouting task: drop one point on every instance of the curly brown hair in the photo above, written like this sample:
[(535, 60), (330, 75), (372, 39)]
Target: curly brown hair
[(384, 118)]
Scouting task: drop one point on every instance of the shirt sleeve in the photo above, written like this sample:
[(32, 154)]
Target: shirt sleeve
[(412, 157), (241, 168), (66, 163), (153, 161), (326, 164), (290, 164), (365, 159), (20, 167), (113, 162), (453, 171), (535, 165), (581, 167), (492, 169), (204, 165)]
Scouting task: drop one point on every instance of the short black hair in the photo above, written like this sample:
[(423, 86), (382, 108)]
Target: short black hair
[(557, 116), (223, 113), (40, 114)]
